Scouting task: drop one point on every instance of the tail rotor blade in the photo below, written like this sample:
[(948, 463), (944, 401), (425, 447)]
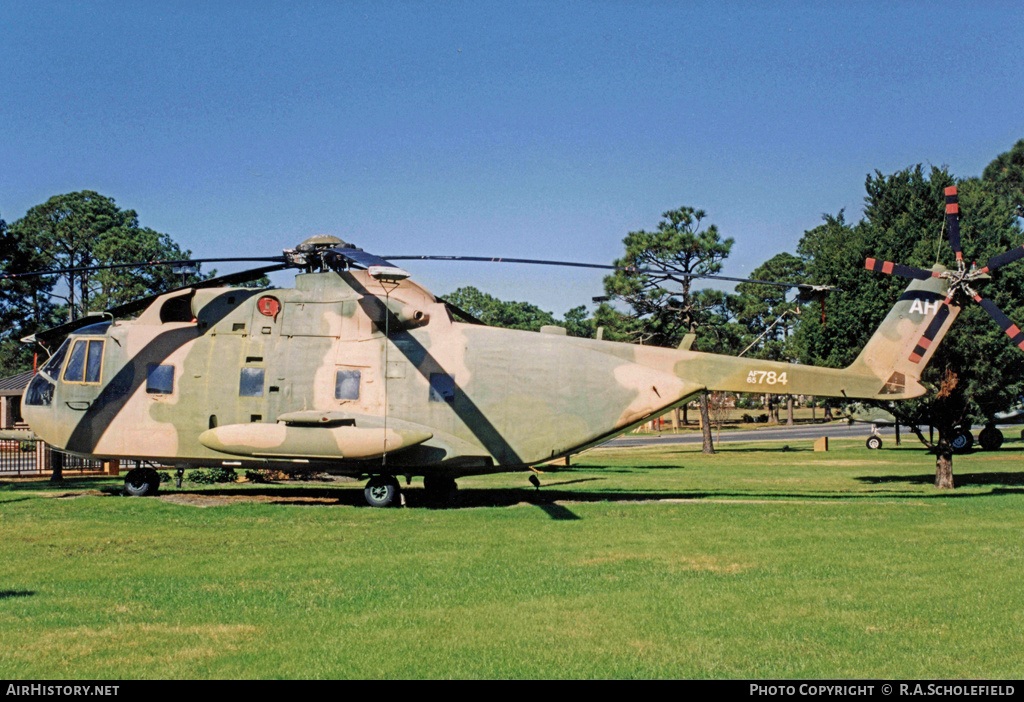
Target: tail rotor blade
[(1007, 325), (890, 268), (1003, 258), (929, 333), (953, 221)]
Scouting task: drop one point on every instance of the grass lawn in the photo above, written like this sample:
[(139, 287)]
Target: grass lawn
[(633, 563)]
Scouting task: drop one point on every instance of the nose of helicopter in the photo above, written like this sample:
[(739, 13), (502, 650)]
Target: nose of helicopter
[(37, 409)]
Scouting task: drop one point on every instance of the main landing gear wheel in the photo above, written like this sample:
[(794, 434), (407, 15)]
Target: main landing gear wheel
[(441, 490), (382, 491), (962, 441), (874, 442), (141, 482), (990, 438)]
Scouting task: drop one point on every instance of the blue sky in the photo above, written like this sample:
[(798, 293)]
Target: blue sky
[(520, 129)]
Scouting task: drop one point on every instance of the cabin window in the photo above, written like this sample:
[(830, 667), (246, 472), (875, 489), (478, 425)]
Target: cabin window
[(250, 384), (159, 379), (85, 362), (442, 387), (346, 385)]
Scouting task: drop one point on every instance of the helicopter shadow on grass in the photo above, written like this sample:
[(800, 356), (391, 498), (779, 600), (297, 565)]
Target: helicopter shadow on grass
[(508, 497), (621, 470), (413, 497)]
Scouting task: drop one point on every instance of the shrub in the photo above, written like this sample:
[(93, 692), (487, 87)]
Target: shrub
[(209, 476)]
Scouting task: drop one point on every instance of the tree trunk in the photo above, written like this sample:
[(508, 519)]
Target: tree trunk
[(943, 455), (944, 465), (705, 423), (944, 458), (789, 410)]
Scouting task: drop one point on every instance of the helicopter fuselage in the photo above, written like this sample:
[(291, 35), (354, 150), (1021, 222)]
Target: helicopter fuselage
[(349, 374)]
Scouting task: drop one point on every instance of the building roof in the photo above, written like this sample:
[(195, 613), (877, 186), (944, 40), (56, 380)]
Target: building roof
[(15, 384)]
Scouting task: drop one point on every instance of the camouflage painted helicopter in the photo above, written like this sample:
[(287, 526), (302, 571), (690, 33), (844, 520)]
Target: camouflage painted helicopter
[(358, 370)]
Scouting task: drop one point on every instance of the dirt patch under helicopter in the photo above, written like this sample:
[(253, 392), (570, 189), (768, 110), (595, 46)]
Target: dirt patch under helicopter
[(200, 500)]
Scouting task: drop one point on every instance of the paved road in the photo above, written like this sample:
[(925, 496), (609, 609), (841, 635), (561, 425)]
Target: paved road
[(836, 430)]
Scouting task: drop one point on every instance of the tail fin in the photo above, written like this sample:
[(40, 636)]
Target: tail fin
[(901, 347)]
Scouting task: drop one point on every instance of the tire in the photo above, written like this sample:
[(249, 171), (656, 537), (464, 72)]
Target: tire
[(990, 438), (874, 442), (382, 491), (141, 482), (962, 441)]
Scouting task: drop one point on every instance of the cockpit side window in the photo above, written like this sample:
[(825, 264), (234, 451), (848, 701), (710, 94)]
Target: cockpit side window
[(85, 363)]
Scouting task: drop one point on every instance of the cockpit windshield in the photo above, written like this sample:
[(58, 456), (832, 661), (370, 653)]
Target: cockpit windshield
[(52, 366), (85, 362)]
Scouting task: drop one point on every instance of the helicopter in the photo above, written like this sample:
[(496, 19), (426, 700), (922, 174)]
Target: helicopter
[(360, 371)]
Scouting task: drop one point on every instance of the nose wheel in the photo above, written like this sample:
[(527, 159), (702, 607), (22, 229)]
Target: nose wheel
[(382, 491), (140, 482)]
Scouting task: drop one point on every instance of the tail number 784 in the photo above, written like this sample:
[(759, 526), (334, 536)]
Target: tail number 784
[(758, 377)]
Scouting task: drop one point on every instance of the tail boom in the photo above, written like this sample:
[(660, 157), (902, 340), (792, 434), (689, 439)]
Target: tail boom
[(888, 368)]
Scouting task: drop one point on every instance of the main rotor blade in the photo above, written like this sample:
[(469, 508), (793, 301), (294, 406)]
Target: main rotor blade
[(873, 264), (141, 264), (1005, 323), (601, 266), (142, 303), (953, 221), (459, 312), (376, 266)]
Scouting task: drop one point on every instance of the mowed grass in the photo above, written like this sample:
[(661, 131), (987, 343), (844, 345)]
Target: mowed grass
[(640, 563)]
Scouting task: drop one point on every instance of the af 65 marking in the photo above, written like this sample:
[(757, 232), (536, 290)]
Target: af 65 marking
[(758, 377)]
